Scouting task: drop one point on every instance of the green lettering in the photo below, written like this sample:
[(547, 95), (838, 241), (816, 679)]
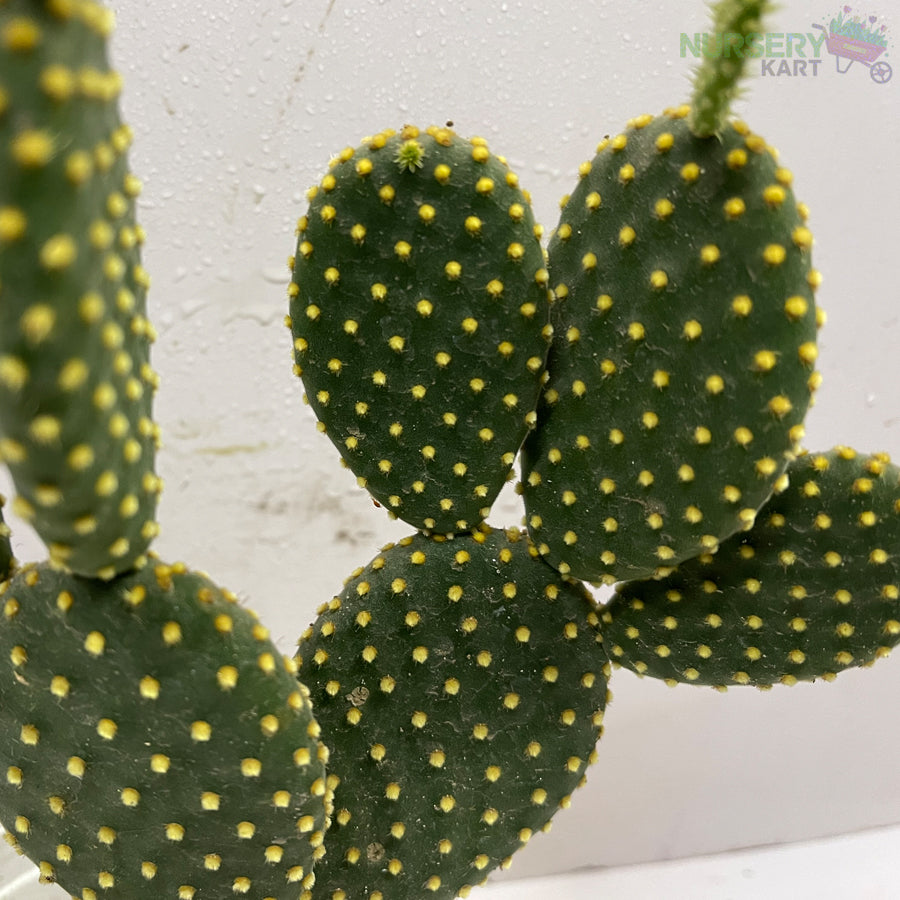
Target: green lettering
[(816, 41), (774, 42), (692, 48), (794, 37)]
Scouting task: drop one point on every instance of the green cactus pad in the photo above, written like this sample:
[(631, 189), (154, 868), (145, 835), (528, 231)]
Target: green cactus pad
[(682, 359), (811, 590), (461, 687), (419, 309), (153, 743), (7, 561), (75, 380)]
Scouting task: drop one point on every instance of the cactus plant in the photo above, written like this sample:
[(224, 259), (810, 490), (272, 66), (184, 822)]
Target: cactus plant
[(684, 339), (75, 381), (812, 589), (154, 741), (419, 310), (461, 686)]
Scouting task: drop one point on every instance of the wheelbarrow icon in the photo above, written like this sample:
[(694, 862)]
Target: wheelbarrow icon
[(853, 50)]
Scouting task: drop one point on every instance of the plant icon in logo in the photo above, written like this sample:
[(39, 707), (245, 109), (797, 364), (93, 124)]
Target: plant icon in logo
[(857, 39)]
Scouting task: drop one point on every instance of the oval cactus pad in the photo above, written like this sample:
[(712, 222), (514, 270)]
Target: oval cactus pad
[(154, 743), (76, 385), (419, 310), (461, 687), (684, 341), (811, 590)]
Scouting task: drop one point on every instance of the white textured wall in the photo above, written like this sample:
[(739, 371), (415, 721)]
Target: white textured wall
[(237, 106)]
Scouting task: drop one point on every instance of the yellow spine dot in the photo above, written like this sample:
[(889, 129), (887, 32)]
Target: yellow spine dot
[(201, 731), (692, 330), (95, 643), (780, 406), (774, 195), (734, 208), (13, 224), (663, 208), (227, 677), (774, 254), (802, 238), (171, 634), (32, 149), (269, 725), (149, 688), (808, 353), (709, 254), (107, 729)]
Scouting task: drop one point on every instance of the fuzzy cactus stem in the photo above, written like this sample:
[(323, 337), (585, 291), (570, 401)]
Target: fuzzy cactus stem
[(717, 79)]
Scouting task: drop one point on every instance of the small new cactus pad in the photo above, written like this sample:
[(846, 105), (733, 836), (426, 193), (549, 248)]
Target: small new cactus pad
[(419, 308), (683, 350), (75, 380), (461, 687), (812, 589), (153, 743), (6, 554)]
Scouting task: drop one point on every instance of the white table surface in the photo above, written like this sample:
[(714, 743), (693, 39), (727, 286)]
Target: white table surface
[(860, 866)]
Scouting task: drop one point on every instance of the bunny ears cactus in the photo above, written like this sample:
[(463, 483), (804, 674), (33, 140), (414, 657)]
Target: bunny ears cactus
[(655, 364)]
